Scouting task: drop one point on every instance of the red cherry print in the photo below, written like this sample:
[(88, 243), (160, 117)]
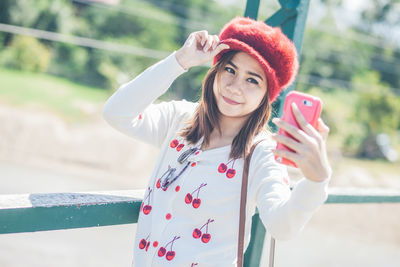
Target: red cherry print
[(196, 203), (205, 238), (230, 173), (142, 243), (174, 143), (196, 233), (146, 209), (193, 164), (188, 198), (170, 255), (140, 116), (168, 216), (197, 153), (222, 168), (161, 251), (179, 147), (177, 188), (158, 184), (155, 244)]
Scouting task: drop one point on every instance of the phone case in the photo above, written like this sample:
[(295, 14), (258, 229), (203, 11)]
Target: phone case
[(310, 106)]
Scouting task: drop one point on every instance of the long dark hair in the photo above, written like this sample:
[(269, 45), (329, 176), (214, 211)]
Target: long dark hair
[(206, 116)]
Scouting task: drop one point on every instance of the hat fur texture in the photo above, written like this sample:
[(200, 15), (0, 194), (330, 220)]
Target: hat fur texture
[(275, 52)]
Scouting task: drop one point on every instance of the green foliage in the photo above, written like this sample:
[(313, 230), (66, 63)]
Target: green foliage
[(330, 56), (375, 109), (378, 108), (42, 14), (26, 53)]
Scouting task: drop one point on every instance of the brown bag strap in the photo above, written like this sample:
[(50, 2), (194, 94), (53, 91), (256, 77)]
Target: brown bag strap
[(243, 199)]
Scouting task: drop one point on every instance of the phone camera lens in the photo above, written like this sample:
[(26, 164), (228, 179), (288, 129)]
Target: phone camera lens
[(307, 103)]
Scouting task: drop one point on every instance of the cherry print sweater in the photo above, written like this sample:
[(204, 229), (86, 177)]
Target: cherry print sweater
[(195, 220)]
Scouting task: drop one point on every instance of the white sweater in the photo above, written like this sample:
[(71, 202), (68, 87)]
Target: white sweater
[(169, 217)]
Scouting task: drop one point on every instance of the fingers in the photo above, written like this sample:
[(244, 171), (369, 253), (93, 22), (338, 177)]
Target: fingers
[(295, 157), (303, 123), (201, 37), (292, 130), (199, 48), (289, 142), (323, 129), (219, 48), (208, 42)]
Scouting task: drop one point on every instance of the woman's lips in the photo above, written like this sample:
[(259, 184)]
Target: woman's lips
[(229, 101)]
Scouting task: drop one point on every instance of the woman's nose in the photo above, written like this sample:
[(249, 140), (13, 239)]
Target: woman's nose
[(235, 87)]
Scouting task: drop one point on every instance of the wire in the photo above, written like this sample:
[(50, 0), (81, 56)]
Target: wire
[(379, 64), (334, 83), (86, 42)]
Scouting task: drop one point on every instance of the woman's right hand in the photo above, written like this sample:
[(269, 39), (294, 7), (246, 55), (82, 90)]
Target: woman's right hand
[(199, 48)]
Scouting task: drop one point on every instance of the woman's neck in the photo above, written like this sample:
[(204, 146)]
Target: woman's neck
[(230, 127)]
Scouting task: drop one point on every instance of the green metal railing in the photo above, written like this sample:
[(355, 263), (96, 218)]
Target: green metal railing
[(60, 211)]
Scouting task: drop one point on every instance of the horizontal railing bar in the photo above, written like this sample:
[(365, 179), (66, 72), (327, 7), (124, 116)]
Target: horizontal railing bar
[(350, 195), (57, 211)]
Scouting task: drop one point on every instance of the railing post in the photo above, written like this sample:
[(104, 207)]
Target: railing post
[(252, 9), (255, 248), (292, 20)]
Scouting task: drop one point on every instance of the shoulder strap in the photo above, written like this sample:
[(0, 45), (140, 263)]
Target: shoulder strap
[(243, 199)]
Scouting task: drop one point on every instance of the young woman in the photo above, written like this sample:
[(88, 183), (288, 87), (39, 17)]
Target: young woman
[(190, 210)]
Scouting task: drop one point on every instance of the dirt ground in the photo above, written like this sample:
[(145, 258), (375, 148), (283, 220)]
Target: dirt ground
[(39, 152)]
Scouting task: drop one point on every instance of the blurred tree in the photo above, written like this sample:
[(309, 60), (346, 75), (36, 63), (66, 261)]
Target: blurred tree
[(377, 110), (26, 53), (330, 56), (381, 18), (42, 14)]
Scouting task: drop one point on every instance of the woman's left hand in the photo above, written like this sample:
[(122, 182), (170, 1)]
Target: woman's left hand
[(309, 145)]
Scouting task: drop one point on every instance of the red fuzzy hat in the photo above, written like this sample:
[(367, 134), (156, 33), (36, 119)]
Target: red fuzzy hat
[(274, 51)]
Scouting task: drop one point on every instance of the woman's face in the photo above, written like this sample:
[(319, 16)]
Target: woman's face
[(240, 86)]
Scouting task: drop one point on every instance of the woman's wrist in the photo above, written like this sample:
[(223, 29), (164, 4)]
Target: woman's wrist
[(180, 59)]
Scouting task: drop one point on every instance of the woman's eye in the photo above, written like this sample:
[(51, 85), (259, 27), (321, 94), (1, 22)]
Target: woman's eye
[(229, 70), (253, 81)]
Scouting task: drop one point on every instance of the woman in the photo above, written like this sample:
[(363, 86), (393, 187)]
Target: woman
[(190, 212)]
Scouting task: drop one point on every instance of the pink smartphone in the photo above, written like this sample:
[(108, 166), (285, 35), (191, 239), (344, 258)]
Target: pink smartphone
[(310, 106)]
